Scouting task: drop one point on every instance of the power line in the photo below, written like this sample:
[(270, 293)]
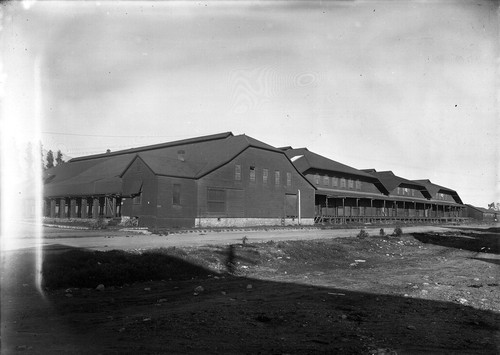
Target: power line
[(106, 136)]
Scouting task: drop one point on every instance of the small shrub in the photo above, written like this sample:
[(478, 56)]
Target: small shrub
[(363, 234), (244, 240), (99, 223), (398, 232), (382, 232)]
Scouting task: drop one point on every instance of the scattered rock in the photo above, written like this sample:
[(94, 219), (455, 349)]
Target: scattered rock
[(162, 300), (69, 295), (147, 288), (147, 319), (249, 287), (199, 289), (100, 287), (223, 293), (462, 300), (121, 330), (411, 327)]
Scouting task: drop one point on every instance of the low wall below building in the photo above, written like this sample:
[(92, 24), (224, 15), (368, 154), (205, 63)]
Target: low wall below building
[(251, 222)]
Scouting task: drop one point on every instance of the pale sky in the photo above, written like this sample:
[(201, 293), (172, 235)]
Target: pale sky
[(410, 87)]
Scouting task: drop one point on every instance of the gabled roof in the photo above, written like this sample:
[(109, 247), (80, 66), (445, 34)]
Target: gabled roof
[(201, 157), (482, 209), (156, 146), (308, 160), (392, 181), (433, 189), (305, 160), (102, 173)]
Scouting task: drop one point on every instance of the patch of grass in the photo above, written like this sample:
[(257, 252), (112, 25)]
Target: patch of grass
[(81, 268)]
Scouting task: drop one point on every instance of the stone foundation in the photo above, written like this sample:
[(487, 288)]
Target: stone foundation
[(251, 222)]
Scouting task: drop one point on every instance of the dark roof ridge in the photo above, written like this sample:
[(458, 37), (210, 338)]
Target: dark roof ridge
[(156, 146)]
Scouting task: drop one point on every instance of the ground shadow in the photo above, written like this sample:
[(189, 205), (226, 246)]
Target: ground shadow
[(480, 243), (224, 314), (476, 229)]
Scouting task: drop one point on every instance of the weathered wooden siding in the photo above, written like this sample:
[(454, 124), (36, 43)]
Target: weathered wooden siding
[(254, 198), (182, 211), (146, 211)]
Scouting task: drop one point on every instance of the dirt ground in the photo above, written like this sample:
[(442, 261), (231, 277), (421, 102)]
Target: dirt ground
[(425, 292)]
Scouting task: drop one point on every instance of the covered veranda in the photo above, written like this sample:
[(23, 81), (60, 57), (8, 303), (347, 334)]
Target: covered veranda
[(365, 208)]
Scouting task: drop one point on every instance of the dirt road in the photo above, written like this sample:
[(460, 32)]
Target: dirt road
[(130, 240)]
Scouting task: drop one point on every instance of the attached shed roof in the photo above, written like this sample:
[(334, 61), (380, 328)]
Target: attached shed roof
[(392, 181), (189, 158), (91, 177), (433, 189)]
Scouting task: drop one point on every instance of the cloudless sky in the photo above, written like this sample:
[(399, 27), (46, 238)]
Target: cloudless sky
[(392, 85)]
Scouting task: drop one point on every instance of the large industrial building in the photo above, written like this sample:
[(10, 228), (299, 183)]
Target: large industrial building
[(226, 180)]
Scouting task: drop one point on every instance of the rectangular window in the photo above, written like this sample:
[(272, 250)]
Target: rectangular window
[(335, 181), (326, 181), (288, 179), (176, 194), (406, 192), (316, 179), (412, 192), (351, 183), (237, 172), (358, 185), (399, 191), (265, 174), (216, 200), (252, 173), (137, 200), (277, 178), (342, 183)]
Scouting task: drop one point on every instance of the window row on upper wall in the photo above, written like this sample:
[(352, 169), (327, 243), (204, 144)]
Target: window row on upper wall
[(265, 176), (405, 191), (440, 196), (328, 181)]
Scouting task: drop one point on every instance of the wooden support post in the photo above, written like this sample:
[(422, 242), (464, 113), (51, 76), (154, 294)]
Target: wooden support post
[(62, 208), (343, 209), (95, 207), (84, 206), (114, 206), (72, 208), (52, 213)]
